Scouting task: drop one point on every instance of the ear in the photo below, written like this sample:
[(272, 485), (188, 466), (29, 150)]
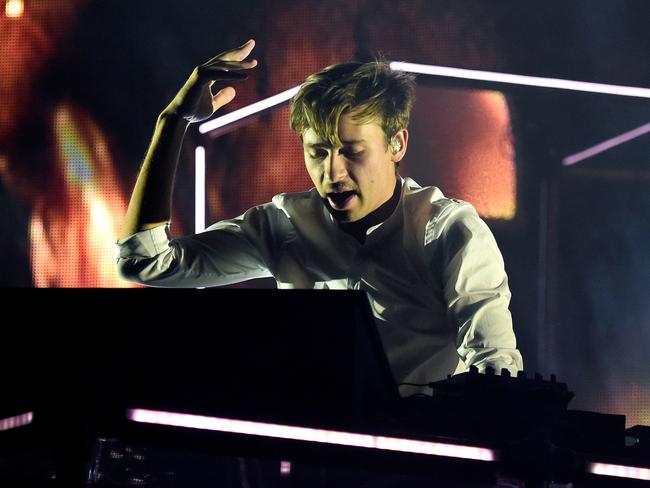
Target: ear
[(400, 139)]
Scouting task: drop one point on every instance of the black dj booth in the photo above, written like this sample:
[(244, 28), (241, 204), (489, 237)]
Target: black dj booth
[(239, 387)]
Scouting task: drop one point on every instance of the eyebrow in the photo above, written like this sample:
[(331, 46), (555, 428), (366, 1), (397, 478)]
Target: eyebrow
[(327, 144)]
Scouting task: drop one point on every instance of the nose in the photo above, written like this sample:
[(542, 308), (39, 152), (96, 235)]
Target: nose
[(335, 168)]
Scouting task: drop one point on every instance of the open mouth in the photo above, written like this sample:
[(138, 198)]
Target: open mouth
[(340, 200)]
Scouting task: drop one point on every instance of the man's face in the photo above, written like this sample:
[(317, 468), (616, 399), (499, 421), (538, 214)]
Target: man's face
[(356, 178)]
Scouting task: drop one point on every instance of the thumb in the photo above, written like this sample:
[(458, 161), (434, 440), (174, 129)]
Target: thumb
[(222, 97)]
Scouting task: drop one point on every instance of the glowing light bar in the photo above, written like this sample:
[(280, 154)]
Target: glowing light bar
[(248, 110), (312, 435), (199, 189), (428, 69), (619, 471), (17, 421), (471, 74), (605, 145)]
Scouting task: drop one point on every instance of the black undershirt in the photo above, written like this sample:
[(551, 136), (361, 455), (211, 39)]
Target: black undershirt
[(358, 228)]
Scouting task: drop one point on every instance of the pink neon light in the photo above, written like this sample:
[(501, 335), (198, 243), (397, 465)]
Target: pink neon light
[(605, 145), (285, 468), (428, 69), (248, 110), (199, 189), (471, 74), (311, 435), (17, 421), (619, 471)]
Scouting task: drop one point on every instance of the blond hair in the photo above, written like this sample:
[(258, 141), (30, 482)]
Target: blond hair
[(372, 91)]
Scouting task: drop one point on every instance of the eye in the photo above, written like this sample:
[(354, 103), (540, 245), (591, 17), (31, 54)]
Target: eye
[(352, 155), (317, 154)]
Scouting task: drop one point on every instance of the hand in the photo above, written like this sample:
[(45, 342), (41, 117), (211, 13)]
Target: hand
[(195, 101)]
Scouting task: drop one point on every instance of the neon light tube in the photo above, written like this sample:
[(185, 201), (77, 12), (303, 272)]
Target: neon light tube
[(605, 145), (311, 435), (619, 471), (199, 189), (427, 69), (17, 421), (471, 74), (248, 110)]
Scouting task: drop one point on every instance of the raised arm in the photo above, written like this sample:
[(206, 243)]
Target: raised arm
[(150, 204)]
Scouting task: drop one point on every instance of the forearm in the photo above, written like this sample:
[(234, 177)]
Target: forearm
[(227, 252), (150, 203)]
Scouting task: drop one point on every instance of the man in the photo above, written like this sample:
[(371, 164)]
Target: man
[(430, 266)]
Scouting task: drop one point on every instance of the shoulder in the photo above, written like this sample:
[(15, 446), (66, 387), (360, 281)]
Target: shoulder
[(281, 205), (277, 218), (432, 208), (297, 203)]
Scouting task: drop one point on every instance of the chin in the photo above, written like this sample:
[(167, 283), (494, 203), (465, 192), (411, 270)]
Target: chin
[(348, 218), (340, 216)]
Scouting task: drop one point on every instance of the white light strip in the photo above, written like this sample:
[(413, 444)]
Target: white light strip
[(17, 421), (311, 435), (619, 471), (248, 110), (199, 189), (470, 74), (605, 145)]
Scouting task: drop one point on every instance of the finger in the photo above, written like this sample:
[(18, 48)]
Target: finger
[(238, 54), (217, 73), (232, 65), (222, 97), (228, 54)]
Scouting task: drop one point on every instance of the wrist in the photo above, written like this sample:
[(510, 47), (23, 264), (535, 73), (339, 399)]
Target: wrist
[(172, 116)]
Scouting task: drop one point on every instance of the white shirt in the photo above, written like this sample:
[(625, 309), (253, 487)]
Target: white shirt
[(433, 273)]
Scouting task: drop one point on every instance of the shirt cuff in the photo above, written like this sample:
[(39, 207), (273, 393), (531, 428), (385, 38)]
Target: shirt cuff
[(147, 243), (502, 361)]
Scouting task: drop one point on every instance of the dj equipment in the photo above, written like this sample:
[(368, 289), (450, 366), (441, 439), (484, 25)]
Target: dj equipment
[(234, 387)]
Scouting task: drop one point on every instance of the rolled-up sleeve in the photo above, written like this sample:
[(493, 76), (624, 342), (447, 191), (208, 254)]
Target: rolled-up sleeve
[(476, 292), (227, 252)]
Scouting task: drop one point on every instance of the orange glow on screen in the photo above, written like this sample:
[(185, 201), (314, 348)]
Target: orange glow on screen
[(461, 142), (14, 8), (73, 245), (631, 400), (490, 176)]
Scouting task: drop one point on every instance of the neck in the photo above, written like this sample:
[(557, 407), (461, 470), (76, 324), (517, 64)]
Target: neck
[(358, 228)]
